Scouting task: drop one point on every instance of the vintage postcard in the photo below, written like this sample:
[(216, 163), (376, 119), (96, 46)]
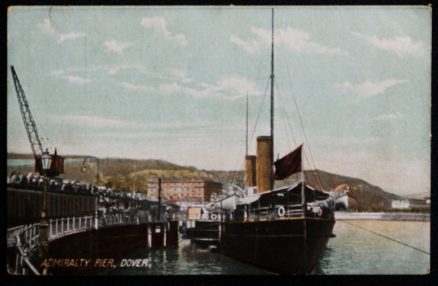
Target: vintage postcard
[(189, 140)]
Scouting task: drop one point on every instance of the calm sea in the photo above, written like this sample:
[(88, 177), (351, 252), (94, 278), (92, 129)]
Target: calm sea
[(20, 162), (360, 247), (30, 162)]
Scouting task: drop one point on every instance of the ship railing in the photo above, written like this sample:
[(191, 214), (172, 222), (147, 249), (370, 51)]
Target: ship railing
[(294, 210), (291, 210)]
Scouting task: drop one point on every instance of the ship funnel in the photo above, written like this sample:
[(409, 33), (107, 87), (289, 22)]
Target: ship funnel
[(250, 170), (264, 164)]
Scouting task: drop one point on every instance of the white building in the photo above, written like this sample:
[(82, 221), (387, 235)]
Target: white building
[(400, 204)]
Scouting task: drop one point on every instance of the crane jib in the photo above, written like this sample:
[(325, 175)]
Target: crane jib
[(57, 166)]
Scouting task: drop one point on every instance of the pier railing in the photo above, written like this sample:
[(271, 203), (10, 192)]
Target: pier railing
[(27, 233), (25, 238), (63, 226)]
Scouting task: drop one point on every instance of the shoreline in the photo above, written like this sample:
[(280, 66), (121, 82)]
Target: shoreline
[(382, 216)]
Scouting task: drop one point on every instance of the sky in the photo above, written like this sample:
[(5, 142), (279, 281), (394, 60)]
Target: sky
[(352, 83)]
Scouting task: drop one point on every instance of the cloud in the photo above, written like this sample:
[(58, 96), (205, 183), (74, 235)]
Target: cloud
[(231, 87), (70, 36), (369, 88), (113, 46), (138, 87), (70, 77), (58, 72), (114, 69), (159, 25), (167, 74), (77, 79), (400, 46), (73, 74), (347, 140), (180, 74), (292, 39), (98, 122), (387, 117), (250, 46), (109, 69), (47, 28)]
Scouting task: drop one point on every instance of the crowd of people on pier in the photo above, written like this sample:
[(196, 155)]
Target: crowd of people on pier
[(36, 182)]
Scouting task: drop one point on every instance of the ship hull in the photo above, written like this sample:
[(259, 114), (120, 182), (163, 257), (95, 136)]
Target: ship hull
[(285, 246), (205, 233)]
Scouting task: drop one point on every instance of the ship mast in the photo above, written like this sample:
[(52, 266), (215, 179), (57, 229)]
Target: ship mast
[(272, 97)]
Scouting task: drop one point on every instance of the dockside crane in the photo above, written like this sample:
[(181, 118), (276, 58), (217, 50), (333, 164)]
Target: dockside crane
[(57, 165)]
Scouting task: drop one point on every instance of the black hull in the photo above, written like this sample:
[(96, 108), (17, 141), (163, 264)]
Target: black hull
[(204, 242), (204, 234), (284, 246)]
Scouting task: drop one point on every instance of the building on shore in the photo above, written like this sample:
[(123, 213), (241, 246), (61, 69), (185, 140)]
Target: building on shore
[(411, 203), (183, 190)]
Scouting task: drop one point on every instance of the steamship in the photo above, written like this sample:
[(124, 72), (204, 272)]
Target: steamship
[(281, 229), (205, 232)]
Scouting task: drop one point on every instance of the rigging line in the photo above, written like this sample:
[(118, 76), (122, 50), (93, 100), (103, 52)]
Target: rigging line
[(285, 127), (311, 162), (236, 170), (306, 158), (259, 68), (288, 121), (315, 177), (247, 122), (387, 237), (260, 110), (302, 125), (283, 114), (247, 104), (283, 111), (291, 127)]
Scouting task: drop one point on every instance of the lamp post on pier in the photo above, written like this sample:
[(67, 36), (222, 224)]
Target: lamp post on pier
[(84, 167), (46, 161), (83, 170), (159, 199)]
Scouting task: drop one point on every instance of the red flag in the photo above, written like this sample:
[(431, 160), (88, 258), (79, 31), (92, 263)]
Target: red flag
[(289, 164)]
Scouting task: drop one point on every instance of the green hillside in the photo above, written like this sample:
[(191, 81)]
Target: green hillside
[(127, 174)]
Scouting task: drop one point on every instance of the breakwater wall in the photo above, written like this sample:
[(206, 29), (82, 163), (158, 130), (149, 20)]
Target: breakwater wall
[(382, 216)]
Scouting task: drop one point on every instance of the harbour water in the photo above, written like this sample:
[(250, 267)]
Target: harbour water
[(30, 162), (20, 162), (377, 247), (359, 248)]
